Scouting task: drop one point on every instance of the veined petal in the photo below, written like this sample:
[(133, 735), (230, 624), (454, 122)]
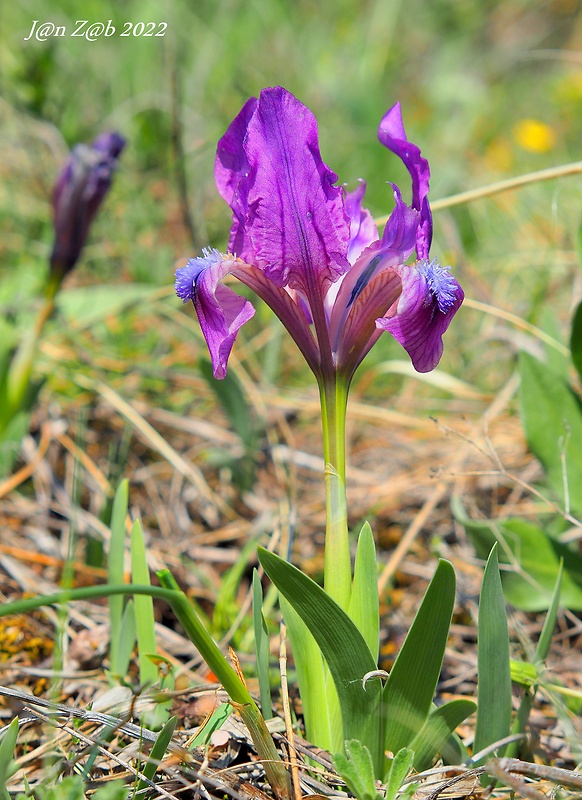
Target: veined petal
[(363, 230), (359, 330), (398, 242), (221, 311), (430, 298), (288, 217), (231, 173), (288, 305), (401, 229), (363, 233), (392, 135)]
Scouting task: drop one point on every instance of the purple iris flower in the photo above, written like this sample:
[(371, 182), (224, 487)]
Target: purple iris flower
[(312, 252), (79, 191)]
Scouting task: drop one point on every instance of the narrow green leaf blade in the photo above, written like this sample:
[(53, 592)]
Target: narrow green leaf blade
[(143, 607), (127, 638), (157, 753), (343, 647), (337, 568), (410, 688), (363, 609), (494, 681), (320, 707), (440, 724), (212, 723), (261, 647), (115, 574), (545, 640), (201, 639)]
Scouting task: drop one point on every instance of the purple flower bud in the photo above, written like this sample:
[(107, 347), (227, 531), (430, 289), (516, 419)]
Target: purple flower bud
[(79, 191)]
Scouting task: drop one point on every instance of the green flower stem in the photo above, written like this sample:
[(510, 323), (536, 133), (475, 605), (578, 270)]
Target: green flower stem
[(23, 360), (199, 636), (337, 566)]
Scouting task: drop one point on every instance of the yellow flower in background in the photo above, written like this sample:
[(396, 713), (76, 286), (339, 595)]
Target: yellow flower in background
[(534, 136)]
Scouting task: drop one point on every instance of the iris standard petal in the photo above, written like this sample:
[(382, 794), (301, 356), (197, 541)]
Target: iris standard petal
[(392, 135), (231, 173), (398, 242), (289, 218), (359, 330), (429, 300), (221, 311), (363, 230), (401, 228)]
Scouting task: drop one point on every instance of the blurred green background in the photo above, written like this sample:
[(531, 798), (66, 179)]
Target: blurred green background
[(488, 89)]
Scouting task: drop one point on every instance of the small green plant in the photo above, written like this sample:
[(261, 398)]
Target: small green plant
[(357, 770), (390, 717)]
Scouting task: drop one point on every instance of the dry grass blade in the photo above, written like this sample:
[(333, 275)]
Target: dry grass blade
[(438, 782), (87, 463), (565, 777), (158, 443), (441, 489), (118, 724), (508, 185), (518, 786), (520, 323), (25, 472), (92, 743), (437, 378)]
